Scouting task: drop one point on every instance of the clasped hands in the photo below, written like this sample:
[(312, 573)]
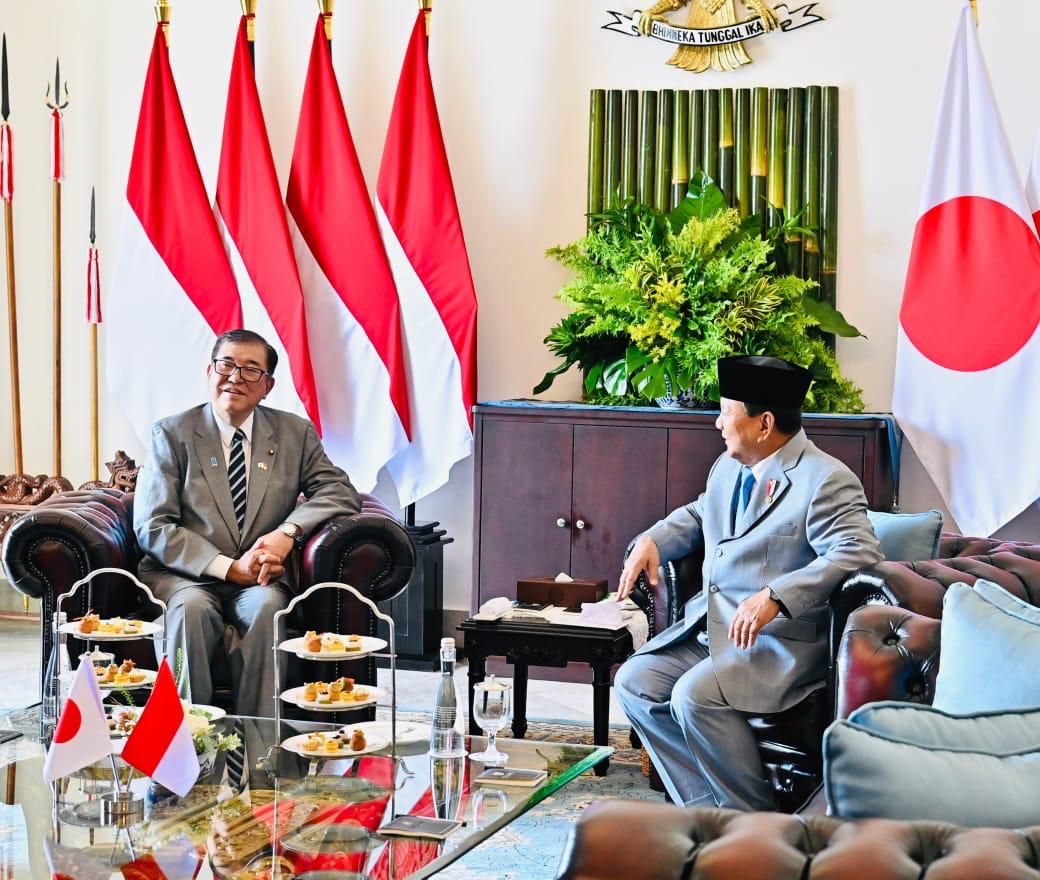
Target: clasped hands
[(262, 562), (751, 615)]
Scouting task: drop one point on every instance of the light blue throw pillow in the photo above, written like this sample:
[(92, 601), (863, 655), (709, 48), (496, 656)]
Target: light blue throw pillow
[(997, 595), (995, 732), (908, 537), (867, 774), (989, 655)]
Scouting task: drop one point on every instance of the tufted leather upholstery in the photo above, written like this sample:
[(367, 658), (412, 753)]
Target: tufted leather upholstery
[(638, 840), (62, 539)]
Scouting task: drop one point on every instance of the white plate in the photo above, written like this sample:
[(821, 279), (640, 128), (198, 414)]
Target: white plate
[(149, 680), (215, 713), (408, 732), (369, 645), (148, 629), (295, 696), (374, 744)]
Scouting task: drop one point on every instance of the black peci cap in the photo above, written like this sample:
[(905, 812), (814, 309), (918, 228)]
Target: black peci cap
[(766, 381)]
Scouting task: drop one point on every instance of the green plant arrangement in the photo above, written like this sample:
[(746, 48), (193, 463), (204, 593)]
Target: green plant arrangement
[(657, 298)]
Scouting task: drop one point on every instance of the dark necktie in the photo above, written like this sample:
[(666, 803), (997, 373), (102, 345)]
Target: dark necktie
[(237, 477)]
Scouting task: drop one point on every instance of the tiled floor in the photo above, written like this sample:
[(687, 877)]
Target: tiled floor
[(20, 670)]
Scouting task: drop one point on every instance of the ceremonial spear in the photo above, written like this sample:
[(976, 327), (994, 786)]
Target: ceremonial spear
[(93, 318), (7, 195), (57, 174)]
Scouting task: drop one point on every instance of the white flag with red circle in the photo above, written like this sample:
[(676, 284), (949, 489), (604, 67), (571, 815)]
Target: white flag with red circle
[(968, 350), (160, 745), (81, 736)]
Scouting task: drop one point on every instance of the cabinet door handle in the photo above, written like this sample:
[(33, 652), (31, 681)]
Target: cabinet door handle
[(580, 524), (562, 523)]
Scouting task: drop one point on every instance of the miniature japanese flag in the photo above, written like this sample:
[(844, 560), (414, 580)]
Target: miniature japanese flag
[(81, 736)]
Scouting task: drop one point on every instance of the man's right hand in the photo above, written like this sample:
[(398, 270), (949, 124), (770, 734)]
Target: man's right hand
[(645, 557), (252, 567)]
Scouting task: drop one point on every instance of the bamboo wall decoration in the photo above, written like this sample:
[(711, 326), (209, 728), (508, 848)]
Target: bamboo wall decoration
[(774, 152), (793, 193), (647, 143), (726, 156), (630, 145), (680, 145), (663, 152), (612, 150), (597, 113)]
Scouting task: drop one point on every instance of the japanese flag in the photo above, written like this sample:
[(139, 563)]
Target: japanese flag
[(81, 736)]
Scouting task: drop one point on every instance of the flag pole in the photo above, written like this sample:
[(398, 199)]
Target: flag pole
[(7, 195), (975, 11), (93, 318), (427, 7), (57, 173), (325, 8), (162, 16), (249, 11)]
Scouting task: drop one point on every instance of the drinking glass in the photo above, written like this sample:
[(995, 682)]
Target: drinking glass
[(492, 710)]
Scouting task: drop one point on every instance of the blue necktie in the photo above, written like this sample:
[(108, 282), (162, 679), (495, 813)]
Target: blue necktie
[(745, 484)]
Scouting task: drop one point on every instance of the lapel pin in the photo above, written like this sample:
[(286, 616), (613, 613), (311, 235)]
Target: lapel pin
[(262, 465), (213, 461), (770, 489), (270, 452)]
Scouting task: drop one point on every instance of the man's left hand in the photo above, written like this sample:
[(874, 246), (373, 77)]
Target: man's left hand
[(272, 550), (752, 614)]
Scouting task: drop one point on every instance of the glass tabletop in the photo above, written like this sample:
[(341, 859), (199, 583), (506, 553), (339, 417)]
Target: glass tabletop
[(259, 810)]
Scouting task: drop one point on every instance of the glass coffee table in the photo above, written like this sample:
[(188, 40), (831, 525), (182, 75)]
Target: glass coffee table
[(262, 811)]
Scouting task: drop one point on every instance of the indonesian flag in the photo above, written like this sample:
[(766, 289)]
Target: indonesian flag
[(422, 232), (353, 318), (251, 216), (81, 735), (160, 744), (172, 291), (968, 352)]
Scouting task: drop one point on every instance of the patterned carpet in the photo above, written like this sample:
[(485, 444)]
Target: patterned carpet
[(530, 847)]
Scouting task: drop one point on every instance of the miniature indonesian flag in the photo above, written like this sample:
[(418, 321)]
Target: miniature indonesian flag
[(968, 349), (81, 737), (160, 744)]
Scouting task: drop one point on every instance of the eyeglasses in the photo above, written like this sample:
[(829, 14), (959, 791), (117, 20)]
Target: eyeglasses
[(225, 367)]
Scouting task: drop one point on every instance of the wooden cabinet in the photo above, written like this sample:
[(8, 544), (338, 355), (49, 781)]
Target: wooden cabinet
[(565, 487)]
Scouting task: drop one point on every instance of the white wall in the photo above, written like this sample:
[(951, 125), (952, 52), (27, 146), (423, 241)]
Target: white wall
[(512, 84)]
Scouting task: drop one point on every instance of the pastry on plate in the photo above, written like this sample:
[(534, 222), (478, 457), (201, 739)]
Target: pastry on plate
[(312, 641), (131, 627), (310, 692), (331, 643), (89, 623), (352, 643), (346, 685), (357, 740), (110, 673), (313, 742)]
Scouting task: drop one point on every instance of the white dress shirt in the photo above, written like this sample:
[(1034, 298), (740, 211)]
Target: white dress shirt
[(221, 564)]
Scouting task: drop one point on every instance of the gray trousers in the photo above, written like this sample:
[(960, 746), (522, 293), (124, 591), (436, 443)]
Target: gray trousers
[(697, 741), (241, 618)]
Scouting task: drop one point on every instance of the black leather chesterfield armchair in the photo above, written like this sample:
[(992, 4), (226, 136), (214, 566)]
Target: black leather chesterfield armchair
[(46, 551)]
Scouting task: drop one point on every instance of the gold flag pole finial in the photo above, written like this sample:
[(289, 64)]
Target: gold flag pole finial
[(325, 8), (427, 8), (249, 11), (162, 15), (975, 11)]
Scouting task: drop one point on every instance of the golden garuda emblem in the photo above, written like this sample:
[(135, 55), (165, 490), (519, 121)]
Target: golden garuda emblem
[(713, 36)]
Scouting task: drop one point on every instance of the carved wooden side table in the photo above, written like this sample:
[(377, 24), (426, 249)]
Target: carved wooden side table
[(525, 643)]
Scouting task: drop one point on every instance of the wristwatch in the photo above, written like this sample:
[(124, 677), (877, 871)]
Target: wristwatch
[(293, 531)]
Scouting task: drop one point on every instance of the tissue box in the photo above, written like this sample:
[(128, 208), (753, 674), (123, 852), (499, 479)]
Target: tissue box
[(561, 593)]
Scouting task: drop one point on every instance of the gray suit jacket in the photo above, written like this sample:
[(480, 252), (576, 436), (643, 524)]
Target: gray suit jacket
[(183, 514), (801, 544)]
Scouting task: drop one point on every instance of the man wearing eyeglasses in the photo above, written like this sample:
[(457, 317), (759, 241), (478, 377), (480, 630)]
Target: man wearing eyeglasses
[(216, 516)]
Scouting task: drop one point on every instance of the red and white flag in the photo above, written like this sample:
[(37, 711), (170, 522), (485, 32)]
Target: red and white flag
[(968, 351), (1033, 184), (172, 291), (81, 736), (160, 745), (251, 216), (422, 232), (353, 318)]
